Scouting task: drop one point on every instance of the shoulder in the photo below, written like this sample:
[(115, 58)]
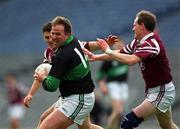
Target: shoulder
[(152, 43), (47, 55), (129, 48), (48, 51), (74, 46)]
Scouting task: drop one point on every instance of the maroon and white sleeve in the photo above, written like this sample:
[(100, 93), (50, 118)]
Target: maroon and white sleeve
[(47, 55), (129, 48), (148, 49)]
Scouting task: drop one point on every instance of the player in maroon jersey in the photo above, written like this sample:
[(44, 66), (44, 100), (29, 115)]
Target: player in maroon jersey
[(48, 55), (15, 93), (148, 50)]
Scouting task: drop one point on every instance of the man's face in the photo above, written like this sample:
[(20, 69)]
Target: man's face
[(137, 29), (11, 80), (48, 39), (58, 35)]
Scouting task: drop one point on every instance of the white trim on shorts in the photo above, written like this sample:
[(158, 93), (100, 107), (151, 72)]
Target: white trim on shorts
[(76, 107), (162, 97)]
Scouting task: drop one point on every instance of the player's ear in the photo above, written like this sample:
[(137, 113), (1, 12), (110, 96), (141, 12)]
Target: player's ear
[(68, 34), (143, 26)]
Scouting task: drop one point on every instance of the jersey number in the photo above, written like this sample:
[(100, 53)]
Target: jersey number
[(81, 57)]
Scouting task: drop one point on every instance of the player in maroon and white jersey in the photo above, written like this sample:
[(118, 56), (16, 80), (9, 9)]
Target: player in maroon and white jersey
[(48, 53), (48, 56), (15, 93), (152, 52), (51, 49), (148, 50)]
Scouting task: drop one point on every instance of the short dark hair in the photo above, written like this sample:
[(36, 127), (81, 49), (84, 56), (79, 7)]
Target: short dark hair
[(47, 27), (11, 74), (60, 20), (148, 18)]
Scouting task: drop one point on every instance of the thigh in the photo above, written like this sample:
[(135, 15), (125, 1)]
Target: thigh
[(51, 108), (77, 107), (47, 112), (56, 120), (86, 123), (145, 109), (118, 106), (165, 119)]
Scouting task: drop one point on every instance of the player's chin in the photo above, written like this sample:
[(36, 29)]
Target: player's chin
[(57, 44), (135, 36)]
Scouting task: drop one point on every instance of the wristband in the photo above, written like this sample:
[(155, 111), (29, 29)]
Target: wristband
[(108, 51)]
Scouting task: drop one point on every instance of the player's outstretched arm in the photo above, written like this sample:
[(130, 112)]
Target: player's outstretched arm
[(42, 68), (123, 58), (99, 57), (111, 40), (34, 88)]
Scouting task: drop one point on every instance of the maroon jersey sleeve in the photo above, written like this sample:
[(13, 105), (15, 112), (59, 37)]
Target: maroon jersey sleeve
[(148, 49), (129, 48), (48, 55)]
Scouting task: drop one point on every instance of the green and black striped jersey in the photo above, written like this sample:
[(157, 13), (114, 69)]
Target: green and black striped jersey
[(70, 70)]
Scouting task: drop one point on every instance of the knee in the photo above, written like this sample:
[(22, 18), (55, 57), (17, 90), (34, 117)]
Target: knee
[(117, 111), (117, 116), (15, 123), (168, 125), (85, 125), (131, 121)]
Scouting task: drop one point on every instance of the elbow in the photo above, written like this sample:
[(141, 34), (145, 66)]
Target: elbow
[(131, 62), (49, 89)]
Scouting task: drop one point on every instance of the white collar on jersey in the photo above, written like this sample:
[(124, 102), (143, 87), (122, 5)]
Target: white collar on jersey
[(146, 37)]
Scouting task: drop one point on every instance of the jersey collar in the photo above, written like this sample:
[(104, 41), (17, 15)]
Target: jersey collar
[(69, 40), (146, 37)]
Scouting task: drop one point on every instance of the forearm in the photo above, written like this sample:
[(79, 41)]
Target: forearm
[(93, 46), (125, 58), (35, 86), (103, 57)]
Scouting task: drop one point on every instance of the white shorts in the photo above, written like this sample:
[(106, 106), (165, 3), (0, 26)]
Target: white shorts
[(76, 107), (162, 97), (16, 111), (118, 91)]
